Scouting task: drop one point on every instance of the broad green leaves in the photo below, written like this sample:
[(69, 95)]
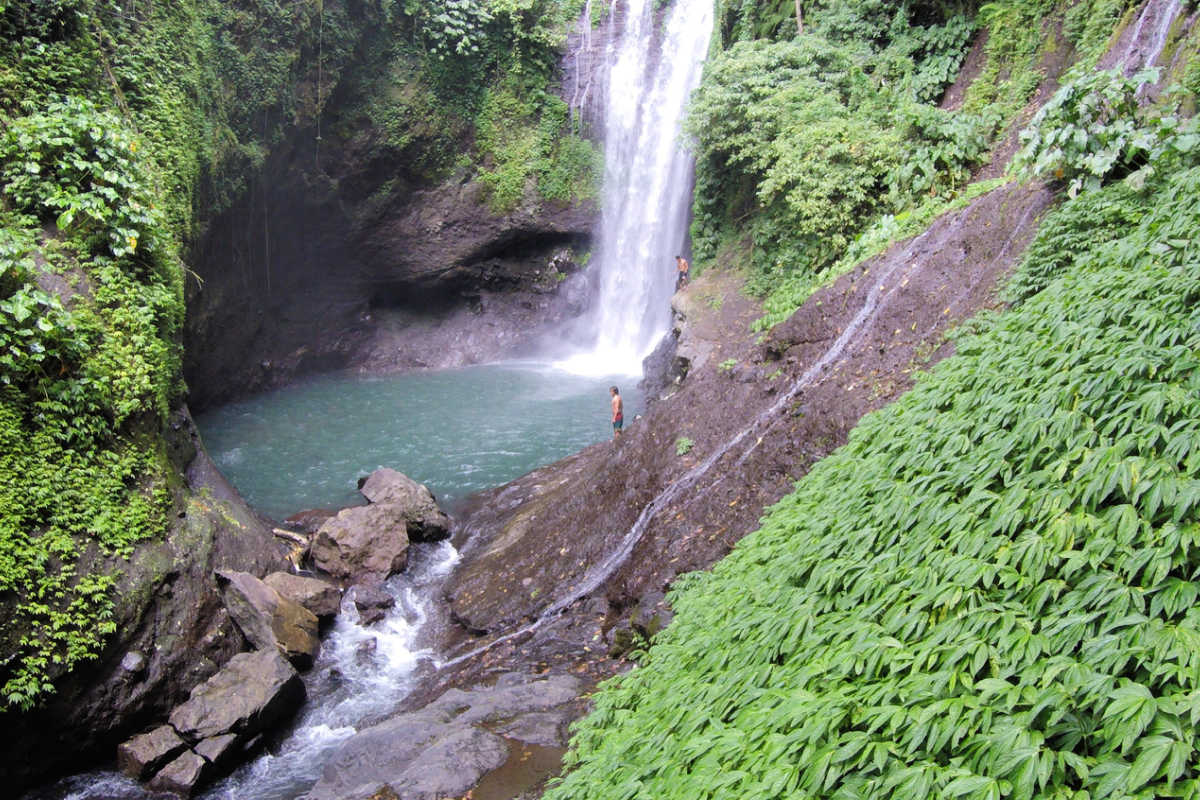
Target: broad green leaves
[(1091, 130), (988, 593), (80, 168), (90, 309)]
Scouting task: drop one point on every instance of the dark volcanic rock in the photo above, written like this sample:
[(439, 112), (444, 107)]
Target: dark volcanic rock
[(269, 621), (662, 370), (310, 521), (372, 602), (426, 522), (219, 750), (367, 542), (318, 596), (444, 749), (252, 692), (349, 262), (182, 775), (145, 754)]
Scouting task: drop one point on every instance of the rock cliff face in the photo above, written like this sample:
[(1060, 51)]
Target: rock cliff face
[(339, 256), (173, 631)]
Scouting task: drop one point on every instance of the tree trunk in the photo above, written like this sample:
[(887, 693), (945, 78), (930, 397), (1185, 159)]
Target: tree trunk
[(799, 19)]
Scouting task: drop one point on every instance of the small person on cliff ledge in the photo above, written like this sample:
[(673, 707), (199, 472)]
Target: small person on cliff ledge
[(618, 411), (682, 266)]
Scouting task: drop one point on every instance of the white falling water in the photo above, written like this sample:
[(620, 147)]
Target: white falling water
[(1142, 43), (654, 64)]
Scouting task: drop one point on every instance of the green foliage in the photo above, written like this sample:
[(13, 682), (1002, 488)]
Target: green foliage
[(37, 336), (91, 306), (727, 365), (76, 387), (525, 141), (801, 141), (78, 167), (451, 26), (788, 294), (1091, 129), (1017, 32), (789, 126), (1084, 225), (1089, 26), (683, 446), (988, 592), (946, 147)]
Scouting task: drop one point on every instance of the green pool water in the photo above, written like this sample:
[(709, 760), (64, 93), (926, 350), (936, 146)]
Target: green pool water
[(457, 431)]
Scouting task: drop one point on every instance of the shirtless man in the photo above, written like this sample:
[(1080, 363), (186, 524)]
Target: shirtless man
[(618, 411), (682, 266)]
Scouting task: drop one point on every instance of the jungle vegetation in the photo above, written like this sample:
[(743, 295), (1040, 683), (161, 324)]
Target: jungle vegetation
[(989, 592), (125, 126)]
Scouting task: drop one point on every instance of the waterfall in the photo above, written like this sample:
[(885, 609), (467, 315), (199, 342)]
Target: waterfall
[(654, 63), (1140, 45)]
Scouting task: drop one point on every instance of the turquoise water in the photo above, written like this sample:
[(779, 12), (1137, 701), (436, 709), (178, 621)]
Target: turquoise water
[(457, 431)]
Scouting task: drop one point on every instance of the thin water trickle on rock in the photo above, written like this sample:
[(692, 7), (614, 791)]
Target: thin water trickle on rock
[(457, 431)]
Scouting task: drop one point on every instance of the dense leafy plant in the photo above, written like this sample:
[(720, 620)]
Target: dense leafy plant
[(456, 27), (989, 592), (78, 379), (803, 141), (79, 164), (520, 135), (946, 147), (789, 293), (790, 124), (1091, 129)]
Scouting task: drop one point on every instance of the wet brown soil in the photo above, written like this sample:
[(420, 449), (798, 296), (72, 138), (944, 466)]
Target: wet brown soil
[(539, 588)]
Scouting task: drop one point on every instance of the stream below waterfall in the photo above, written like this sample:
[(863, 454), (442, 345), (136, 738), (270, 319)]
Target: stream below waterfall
[(458, 431)]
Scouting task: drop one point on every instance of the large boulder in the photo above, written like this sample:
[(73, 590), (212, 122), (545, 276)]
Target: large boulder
[(363, 543), (268, 620), (145, 754), (426, 522), (250, 694), (182, 775), (372, 602), (320, 597)]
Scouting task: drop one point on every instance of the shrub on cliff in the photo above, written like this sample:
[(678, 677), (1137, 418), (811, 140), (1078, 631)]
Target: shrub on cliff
[(91, 302), (801, 142), (989, 592)]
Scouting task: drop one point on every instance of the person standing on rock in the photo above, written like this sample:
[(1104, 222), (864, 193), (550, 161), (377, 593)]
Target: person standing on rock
[(682, 266), (618, 411)]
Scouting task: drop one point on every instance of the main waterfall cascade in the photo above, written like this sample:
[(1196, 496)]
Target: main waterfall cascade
[(654, 63)]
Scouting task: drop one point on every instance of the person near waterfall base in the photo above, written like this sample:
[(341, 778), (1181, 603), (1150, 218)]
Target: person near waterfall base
[(682, 266), (618, 411)]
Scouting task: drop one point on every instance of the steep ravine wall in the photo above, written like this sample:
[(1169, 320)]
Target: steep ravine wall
[(344, 251), (304, 275)]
